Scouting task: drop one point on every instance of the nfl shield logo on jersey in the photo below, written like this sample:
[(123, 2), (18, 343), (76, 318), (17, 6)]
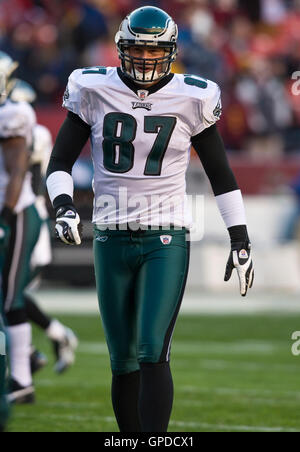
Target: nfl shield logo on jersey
[(142, 94), (166, 239)]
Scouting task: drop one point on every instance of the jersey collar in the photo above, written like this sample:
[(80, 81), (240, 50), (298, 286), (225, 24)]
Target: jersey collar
[(136, 87)]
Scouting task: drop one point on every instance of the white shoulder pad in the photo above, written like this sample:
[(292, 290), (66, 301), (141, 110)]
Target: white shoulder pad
[(207, 95), (42, 147), (17, 119), (80, 85)]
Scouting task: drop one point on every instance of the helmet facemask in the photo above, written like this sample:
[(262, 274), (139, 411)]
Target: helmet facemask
[(143, 70)]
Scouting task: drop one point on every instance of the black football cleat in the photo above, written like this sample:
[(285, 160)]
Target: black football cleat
[(37, 360), (20, 395)]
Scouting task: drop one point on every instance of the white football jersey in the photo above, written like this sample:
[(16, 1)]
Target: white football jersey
[(17, 119), (141, 142)]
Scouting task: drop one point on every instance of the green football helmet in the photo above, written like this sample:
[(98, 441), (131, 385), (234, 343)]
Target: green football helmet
[(7, 68), (147, 26)]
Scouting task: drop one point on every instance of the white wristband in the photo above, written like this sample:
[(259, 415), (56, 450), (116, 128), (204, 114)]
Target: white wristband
[(231, 206), (60, 183)]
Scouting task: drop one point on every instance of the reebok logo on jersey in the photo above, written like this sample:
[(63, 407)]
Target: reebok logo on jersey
[(243, 254), (166, 239), (146, 105), (102, 238)]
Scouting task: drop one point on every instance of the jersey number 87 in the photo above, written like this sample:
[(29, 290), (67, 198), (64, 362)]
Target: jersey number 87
[(119, 132)]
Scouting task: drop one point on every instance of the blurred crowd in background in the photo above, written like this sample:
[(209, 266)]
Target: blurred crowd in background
[(251, 48)]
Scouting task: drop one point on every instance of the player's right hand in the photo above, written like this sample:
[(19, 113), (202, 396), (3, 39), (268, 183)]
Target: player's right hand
[(68, 227)]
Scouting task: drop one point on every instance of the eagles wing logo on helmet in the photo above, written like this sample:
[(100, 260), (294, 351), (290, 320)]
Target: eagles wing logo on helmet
[(147, 26)]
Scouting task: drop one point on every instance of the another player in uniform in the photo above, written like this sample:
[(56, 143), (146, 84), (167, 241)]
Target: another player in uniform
[(4, 238), (18, 213), (142, 121), (63, 339)]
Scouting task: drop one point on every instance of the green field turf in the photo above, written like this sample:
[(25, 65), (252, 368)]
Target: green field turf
[(231, 373)]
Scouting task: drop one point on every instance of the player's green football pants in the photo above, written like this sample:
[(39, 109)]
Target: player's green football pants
[(141, 277), (17, 272)]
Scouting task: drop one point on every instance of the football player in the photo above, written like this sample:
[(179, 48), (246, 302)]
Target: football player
[(19, 215), (4, 237), (63, 339), (142, 120)]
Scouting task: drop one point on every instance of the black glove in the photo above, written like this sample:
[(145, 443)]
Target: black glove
[(68, 227), (240, 258)]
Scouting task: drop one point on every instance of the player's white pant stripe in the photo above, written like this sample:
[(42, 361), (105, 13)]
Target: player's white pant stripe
[(15, 261), (169, 347)]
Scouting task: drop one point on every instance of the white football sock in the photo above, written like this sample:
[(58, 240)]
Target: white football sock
[(20, 347), (56, 331)]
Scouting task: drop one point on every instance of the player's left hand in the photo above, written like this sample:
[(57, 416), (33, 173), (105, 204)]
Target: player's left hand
[(240, 258)]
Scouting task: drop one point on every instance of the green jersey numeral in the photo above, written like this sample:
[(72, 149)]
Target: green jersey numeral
[(163, 126), (119, 130)]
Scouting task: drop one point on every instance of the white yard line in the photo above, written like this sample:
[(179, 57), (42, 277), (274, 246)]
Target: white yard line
[(241, 428), (84, 301), (198, 348), (183, 425), (243, 399), (204, 425), (240, 391)]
